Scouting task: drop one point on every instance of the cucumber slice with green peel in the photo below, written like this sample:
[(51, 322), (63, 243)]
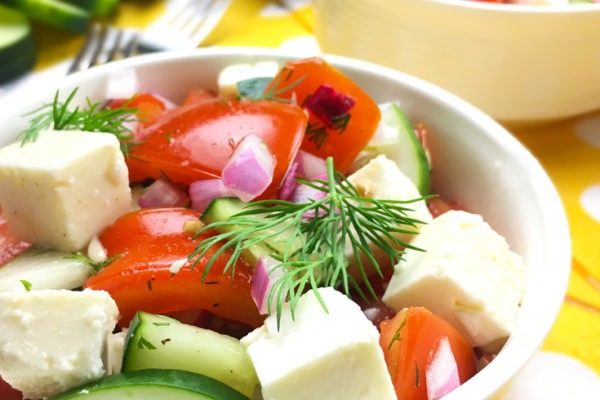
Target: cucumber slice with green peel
[(56, 13), (98, 8), (221, 209), (156, 341), (396, 139), (17, 66), (153, 384), (16, 35)]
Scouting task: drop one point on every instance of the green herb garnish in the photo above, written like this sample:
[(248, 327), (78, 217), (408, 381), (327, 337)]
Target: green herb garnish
[(143, 343), (96, 265), (26, 285), (94, 118), (396, 337), (319, 232)]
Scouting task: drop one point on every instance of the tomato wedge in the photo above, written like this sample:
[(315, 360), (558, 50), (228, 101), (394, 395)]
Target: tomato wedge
[(8, 393), (194, 142), (10, 246), (149, 241), (341, 136), (408, 341)]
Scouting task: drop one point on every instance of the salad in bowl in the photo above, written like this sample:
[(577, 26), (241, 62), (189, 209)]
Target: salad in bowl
[(238, 223)]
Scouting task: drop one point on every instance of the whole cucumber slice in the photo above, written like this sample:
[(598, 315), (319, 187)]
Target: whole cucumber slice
[(153, 384)]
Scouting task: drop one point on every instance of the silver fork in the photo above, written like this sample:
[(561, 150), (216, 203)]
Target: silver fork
[(185, 24), (104, 43)]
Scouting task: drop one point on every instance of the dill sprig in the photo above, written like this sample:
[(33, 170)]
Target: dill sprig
[(86, 260), (94, 117), (318, 233)]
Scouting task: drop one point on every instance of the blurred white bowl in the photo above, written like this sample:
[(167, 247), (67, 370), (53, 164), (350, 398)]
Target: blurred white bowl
[(476, 162), (516, 63)]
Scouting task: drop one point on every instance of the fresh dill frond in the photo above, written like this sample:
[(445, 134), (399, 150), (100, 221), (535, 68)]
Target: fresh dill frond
[(86, 260), (60, 115), (318, 232)]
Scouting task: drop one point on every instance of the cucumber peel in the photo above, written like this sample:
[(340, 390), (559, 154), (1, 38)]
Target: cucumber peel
[(153, 384), (56, 13), (17, 47), (156, 341), (397, 140)]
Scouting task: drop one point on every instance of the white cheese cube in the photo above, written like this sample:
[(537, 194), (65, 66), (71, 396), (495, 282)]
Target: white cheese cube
[(52, 340), (333, 354), (381, 179), (467, 275), (64, 188)]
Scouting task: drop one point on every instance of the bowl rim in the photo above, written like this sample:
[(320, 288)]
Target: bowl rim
[(518, 350), (541, 9)]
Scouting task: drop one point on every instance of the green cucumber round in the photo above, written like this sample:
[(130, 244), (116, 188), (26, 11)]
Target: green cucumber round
[(153, 384), (16, 35), (15, 67), (156, 341), (55, 13)]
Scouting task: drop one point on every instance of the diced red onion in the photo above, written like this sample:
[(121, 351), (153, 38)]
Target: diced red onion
[(249, 170), (162, 193), (442, 372), (304, 193), (327, 103), (266, 273), (310, 165), (288, 187), (203, 192)]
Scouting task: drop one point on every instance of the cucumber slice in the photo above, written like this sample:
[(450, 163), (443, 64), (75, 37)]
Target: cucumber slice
[(156, 341), (55, 13), (99, 8), (222, 209), (16, 35), (13, 68), (153, 384), (44, 269), (397, 140)]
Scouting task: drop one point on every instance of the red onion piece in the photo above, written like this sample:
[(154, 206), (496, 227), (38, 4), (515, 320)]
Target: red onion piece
[(162, 193), (310, 165), (442, 372), (249, 170), (327, 103), (203, 192), (304, 193), (289, 185), (265, 275)]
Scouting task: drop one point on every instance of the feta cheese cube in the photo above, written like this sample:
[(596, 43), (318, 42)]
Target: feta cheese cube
[(333, 354), (65, 187), (52, 340), (467, 275), (382, 179)]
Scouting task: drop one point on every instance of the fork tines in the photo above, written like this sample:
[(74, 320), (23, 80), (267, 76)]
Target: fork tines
[(104, 43)]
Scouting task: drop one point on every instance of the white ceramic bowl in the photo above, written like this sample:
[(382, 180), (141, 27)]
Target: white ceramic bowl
[(516, 63), (475, 161)]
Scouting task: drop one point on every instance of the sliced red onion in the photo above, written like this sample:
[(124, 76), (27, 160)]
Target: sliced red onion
[(310, 165), (203, 192), (304, 193), (442, 372), (162, 193), (327, 103), (249, 170), (289, 185), (266, 273)]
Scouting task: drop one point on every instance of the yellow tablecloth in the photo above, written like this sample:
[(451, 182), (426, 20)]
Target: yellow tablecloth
[(570, 152)]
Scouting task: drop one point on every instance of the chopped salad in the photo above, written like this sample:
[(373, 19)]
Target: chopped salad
[(277, 239)]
